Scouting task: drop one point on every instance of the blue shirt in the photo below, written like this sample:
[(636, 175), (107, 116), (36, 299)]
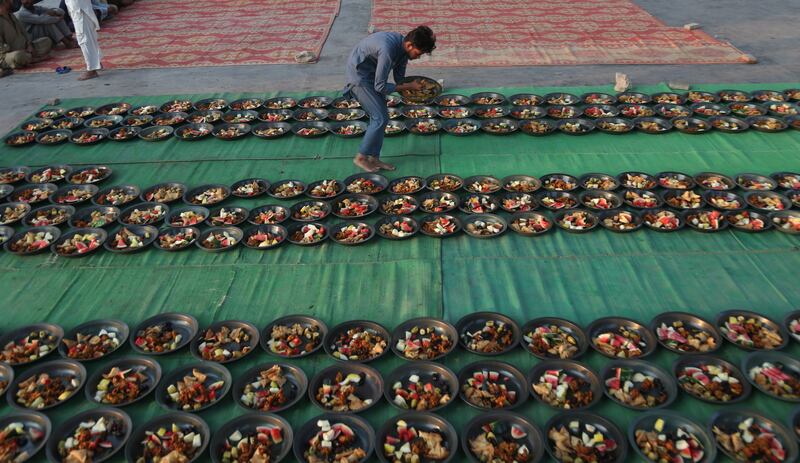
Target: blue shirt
[(372, 59)]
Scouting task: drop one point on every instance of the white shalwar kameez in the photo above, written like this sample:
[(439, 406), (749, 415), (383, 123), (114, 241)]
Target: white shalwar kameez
[(86, 27)]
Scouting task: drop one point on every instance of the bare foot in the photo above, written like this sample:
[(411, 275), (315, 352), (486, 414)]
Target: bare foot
[(383, 165), (88, 75), (364, 163), (6, 72)]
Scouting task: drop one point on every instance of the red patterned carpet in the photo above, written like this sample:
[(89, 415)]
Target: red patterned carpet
[(549, 32), (180, 33)]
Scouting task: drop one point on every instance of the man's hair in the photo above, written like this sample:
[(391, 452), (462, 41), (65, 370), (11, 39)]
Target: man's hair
[(422, 38)]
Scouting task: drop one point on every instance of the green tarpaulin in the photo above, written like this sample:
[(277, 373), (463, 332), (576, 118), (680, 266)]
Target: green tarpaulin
[(579, 277)]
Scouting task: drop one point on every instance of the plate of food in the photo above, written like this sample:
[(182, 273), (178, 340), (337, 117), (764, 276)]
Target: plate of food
[(207, 104), (241, 116), (46, 385), (652, 125), (346, 388), (252, 437), (247, 104), (210, 116), (32, 193), (102, 122), (345, 103), (270, 214), (47, 216), (396, 227), (492, 385), (691, 125), (525, 99), (309, 114), (665, 435), (597, 111), (538, 127), (423, 126), (621, 221), (29, 344), (342, 115), (461, 127), (176, 106), (368, 184), (767, 124), (281, 102), (710, 379), (620, 338), (418, 112), (79, 111), (206, 195), (641, 199), (745, 435), (557, 200), (767, 201), (147, 213), (518, 202), (144, 110), (440, 225), (747, 109), (156, 133), (25, 433), (488, 333), (287, 189), (89, 175), (307, 234), (176, 239), (22, 138), (49, 174), (231, 131), (614, 125), (225, 341), (690, 199), (164, 333), (317, 102), (751, 331), (123, 382), (663, 220), (564, 384), (53, 137), (268, 130), (768, 95), (530, 223), (394, 128), (227, 217), (492, 434), (68, 123), (451, 100), (181, 436), (576, 221), (668, 98), (484, 225), (351, 206), (559, 182), (572, 126), (311, 129), (447, 183), (163, 193), (408, 185), (37, 124), (633, 98), (194, 387), (580, 435), (774, 374), (276, 115), (499, 126), (781, 109), (128, 239), (93, 436), (638, 385), (685, 333), (270, 388), (600, 200), (73, 194), (454, 112), (755, 182), (351, 233), (32, 240), (638, 180), (263, 237), (294, 336), (558, 98), (348, 129), (193, 131), (792, 324), (13, 212), (421, 386), (417, 436), (357, 341), (429, 90), (786, 221), (423, 339), (79, 242), (475, 204), (93, 340), (186, 216), (714, 181), (332, 437), (633, 111)]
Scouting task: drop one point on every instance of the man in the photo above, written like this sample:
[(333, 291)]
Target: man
[(86, 27), (16, 48), (45, 22), (367, 76)]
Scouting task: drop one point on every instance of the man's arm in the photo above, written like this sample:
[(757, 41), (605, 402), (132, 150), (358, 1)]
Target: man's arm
[(38, 17), (382, 84), (400, 72)]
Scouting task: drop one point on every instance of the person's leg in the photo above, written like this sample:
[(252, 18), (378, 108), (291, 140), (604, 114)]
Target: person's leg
[(18, 59), (41, 48), (87, 39), (63, 29), (374, 104)]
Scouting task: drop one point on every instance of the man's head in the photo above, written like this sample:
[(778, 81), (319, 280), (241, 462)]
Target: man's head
[(419, 41)]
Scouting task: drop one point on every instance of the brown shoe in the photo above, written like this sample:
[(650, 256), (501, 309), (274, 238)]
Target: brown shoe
[(365, 163), (383, 165)]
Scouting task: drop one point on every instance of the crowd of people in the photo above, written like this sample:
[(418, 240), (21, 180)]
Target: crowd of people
[(30, 33)]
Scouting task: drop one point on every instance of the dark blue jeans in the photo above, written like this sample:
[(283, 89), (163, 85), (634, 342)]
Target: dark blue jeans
[(375, 106)]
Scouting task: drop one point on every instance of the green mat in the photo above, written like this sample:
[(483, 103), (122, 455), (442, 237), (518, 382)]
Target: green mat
[(579, 277)]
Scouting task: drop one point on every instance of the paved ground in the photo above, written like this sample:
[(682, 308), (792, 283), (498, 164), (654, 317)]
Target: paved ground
[(766, 29)]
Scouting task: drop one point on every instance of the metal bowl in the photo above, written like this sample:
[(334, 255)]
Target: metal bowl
[(563, 200), (101, 237), (260, 130), (315, 102), (22, 332), (487, 98), (53, 231), (193, 131), (592, 220), (668, 98), (83, 218), (558, 98), (281, 102), (41, 216), (550, 178), (539, 127), (63, 135), (533, 439), (276, 230), (787, 324), (476, 321), (439, 196), (452, 112), (368, 326), (421, 421), (486, 203), (17, 194), (100, 454), (61, 196), (728, 124), (6, 233), (125, 215), (53, 113), (466, 125), (335, 229), (5, 221), (268, 208), (364, 434), (52, 368), (451, 99), (645, 368), (723, 317), (613, 324), (250, 425), (210, 116), (370, 385), (663, 125), (428, 372), (440, 327), (394, 183), (37, 124), (696, 361), (369, 201), (499, 126), (274, 188), (727, 182), (29, 138), (149, 133), (150, 368), (414, 226), (691, 125), (246, 104), (214, 104), (742, 179), (358, 128), (418, 112), (528, 216), (633, 111), (710, 195), (195, 232), (635, 221), (297, 227), (751, 196), (584, 180), (119, 328), (775, 124), (395, 127), (344, 102), (790, 365), (242, 131), (249, 328), (613, 200), (598, 98), (241, 116), (170, 119), (189, 196), (431, 217), (582, 126), (730, 419), (607, 428), (214, 372), (298, 127), (604, 124), (294, 389), (634, 98), (672, 421), (185, 325), (697, 96), (513, 379), (598, 111), (431, 183), (237, 216), (472, 221), (303, 320), (143, 110), (172, 105), (79, 111), (571, 367), (378, 180), (664, 177), (30, 421), (415, 126), (346, 114), (513, 202), (310, 114), (185, 421), (525, 99), (174, 214), (626, 180), (506, 182), (690, 321), (778, 217), (645, 194), (147, 234), (148, 194)]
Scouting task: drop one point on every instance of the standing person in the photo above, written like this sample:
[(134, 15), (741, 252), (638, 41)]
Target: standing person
[(45, 22), (367, 76), (86, 27)]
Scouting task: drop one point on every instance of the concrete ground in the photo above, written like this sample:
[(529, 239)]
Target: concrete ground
[(766, 29)]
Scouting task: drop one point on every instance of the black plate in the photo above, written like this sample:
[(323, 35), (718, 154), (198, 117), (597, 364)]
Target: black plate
[(248, 425), (53, 113), (585, 125), (496, 183), (525, 99), (188, 197), (125, 214), (413, 125), (718, 121), (5, 190), (32, 139), (787, 109), (64, 133), (101, 237), (176, 213), (634, 98), (232, 324), (565, 325), (233, 232), (79, 111), (53, 368), (709, 110), (15, 195), (728, 183), (664, 124), (528, 127), (425, 112), (205, 117), (749, 197), (13, 205), (593, 219), (651, 182), (726, 95), (295, 227), (791, 316), (214, 371), (277, 230), (242, 116), (668, 195), (371, 202), (460, 100), (186, 326), (67, 428), (428, 372), (611, 324), (614, 200), (672, 111), (259, 130), (507, 126), (281, 102), (176, 105), (246, 104), (310, 114), (754, 121), (775, 216), (451, 112), (730, 419), (216, 104), (441, 327), (722, 317), (182, 420), (517, 198), (602, 125), (741, 178), (129, 189), (491, 204), (662, 176), (496, 98), (370, 326), (424, 422), (5, 233), (607, 111), (143, 365), (365, 436), (558, 98), (755, 359), (146, 233), (476, 321), (203, 130), (274, 207), (149, 132), (59, 197), (392, 218), (19, 333), (322, 126), (691, 125), (551, 177), (36, 124), (697, 360), (439, 195), (556, 195), (360, 128), (689, 321), (303, 320), (294, 389), (59, 168), (104, 172), (144, 110), (370, 386), (571, 367), (343, 102), (336, 228), (55, 232), (174, 231), (30, 219), (583, 181), (633, 111), (431, 217), (429, 182), (668, 97), (672, 422), (533, 439), (108, 122), (512, 378), (604, 426), (30, 420), (688, 216), (725, 195), (280, 183), (395, 182), (506, 181), (93, 327), (395, 125), (378, 180), (529, 215), (646, 368), (793, 121), (214, 214), (244, 130), (484, 218), (645, 193), (450, 125), (315, 102)]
